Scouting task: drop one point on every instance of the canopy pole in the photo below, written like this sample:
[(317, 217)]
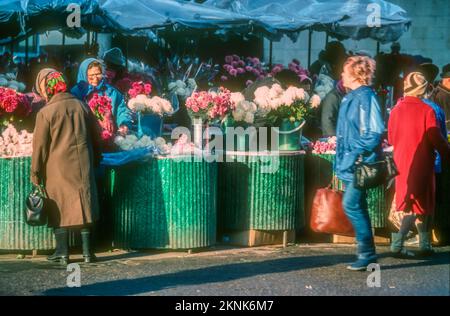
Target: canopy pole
[(309, 47), (326, 40), (378, 47), (63, 46), (26, 51), (126, 54), (270, 53)]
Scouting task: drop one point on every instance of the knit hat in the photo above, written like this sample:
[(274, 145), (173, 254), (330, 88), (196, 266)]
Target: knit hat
[(415, 85), (114, 56)]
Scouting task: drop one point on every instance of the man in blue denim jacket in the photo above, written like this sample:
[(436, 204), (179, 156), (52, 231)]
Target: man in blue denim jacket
[(359, 130)]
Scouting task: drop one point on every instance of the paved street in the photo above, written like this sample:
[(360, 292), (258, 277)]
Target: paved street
[(295, 270)]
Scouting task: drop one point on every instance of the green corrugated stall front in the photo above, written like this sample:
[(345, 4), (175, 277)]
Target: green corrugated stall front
[(15, 185), (164, 203), (442, 214), (250, 198), (376, 198)]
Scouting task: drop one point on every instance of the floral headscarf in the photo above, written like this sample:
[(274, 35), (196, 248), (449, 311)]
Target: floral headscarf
[(55, 84), (54, 80)]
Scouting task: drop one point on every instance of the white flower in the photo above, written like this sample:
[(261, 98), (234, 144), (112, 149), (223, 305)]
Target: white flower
[(180, 91), (180, 84), (261, 92), (172, 85), (275, 91), (138, 103), (159, 141), (236, 98), (192, 84), (249, 118)]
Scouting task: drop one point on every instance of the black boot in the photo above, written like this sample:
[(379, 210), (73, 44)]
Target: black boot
[(88, 254), (61, 254)]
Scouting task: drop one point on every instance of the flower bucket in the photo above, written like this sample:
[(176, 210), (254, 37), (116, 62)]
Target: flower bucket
[(150, 125), (290, 134)]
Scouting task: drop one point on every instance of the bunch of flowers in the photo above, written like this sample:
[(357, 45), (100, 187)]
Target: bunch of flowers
[(12, 105), (183, 146), (183, 89), (144, 104), (301, 72), (210, 105), (14, 144), (244, 111), (101, 106), (325, 146), (9, 80), (140, 88), (277, 104), (250, 67), (130, 142)]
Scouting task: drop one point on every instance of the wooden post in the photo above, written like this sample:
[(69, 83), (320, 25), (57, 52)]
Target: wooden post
[(327, 39), (378, 48), (285, 238)]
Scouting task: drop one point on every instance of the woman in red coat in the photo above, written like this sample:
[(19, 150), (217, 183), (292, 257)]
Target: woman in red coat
[(414, 132)]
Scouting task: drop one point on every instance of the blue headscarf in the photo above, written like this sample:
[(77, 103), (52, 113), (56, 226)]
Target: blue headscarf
[(83, 91)]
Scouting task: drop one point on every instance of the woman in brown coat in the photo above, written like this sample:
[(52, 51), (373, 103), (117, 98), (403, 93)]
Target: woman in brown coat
[(63, 161)]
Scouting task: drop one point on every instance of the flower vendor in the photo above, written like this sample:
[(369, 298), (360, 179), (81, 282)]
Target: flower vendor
[(64, 154), (90, 82)]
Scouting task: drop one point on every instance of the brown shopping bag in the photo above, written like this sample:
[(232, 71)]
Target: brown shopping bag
[(327, 214)]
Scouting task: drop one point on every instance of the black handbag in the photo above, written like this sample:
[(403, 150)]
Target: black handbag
[(36, 205), (369, 175)]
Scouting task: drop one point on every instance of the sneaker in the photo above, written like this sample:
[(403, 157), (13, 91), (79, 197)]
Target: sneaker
[(361, 264)]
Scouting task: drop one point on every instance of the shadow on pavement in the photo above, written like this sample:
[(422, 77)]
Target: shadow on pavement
[(215, 274)]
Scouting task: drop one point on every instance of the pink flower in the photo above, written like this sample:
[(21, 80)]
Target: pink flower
[(106, 135), (233, 72), (228, 59), (235, 64), (240, 70), (224, 78), (249, 68), (276, 69), (148, 88), (241, 63), (248, 82), (255, 60), (236, 57)]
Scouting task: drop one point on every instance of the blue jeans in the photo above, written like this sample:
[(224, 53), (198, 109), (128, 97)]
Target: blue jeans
[(355, 206)]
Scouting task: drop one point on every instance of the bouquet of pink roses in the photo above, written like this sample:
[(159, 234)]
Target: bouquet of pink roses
[(13, 104), (325, 147), (101, 106), (138, 88), (210, 105)]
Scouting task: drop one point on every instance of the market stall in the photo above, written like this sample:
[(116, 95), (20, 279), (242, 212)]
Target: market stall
[(164, 203), (261, 193), (15, 233)]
